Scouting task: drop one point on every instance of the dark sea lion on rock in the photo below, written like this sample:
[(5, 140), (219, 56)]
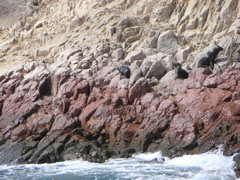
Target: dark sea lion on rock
[(213, 54), (180, 73), (209, 60), (124, 71), (238, 57), (205, 62)]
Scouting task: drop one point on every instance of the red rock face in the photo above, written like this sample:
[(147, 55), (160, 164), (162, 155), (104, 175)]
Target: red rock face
[(187, 116)]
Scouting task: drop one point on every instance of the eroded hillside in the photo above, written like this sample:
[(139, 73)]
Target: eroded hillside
[(157, 27)]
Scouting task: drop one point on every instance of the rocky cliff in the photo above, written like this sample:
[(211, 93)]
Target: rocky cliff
[(62, 98)]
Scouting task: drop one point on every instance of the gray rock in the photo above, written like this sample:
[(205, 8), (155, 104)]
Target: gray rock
[(164, 12), (152, 33), (169, 76), (114, 81), (134, 77), (118, 54), (153, 81), (227, 8), (103, 48), (86, 73), (47, 156), (123, 84), (4, 47), (135, 65), (135, 55), (85, 65), (66, 55), (29, 146), (167, 62), (182, 55), (153, 66), (44, 51), (11, 152), (193, 24), (112, 30), (221, 64), (75, 22), (145, 67), (124, 23), (156, 70), (203, 16), (29, 67), (167, 43), (35, 2), (86, 62), (131, 31), (104, 62), (153, 42), (86, 150)]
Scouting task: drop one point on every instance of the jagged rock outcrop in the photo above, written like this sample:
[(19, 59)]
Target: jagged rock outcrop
[(61, 97), (91, 119)]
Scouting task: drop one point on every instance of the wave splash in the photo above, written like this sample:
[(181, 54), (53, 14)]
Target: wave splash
[(208, 166)]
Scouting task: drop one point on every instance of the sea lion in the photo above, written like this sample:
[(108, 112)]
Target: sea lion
[(124, 71), (206, 62), (213, 54), (209, 60), (180, 73), (238, 57)]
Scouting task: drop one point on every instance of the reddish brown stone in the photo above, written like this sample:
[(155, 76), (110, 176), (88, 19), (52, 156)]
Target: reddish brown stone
[(59, 122), (89, 111), (69, 89), (185, 116), (140, 88), (147, 99), (82, 88), (76, 108), (130, 131), (20, 131), (231, 109), (114, 126)]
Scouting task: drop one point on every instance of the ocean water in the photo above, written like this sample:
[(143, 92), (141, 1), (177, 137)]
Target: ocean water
[(208, 166)]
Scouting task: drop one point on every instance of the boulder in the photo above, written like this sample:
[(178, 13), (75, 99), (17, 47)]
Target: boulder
[(134, 77), (152, 42), (153, 66), (167, 42), (165, 11), (44, 51), (156, 70), (86, 62), (182, 55), (140, 88), (135, 55), (118, 54), (11, 152), (75, 22), (168, 77)]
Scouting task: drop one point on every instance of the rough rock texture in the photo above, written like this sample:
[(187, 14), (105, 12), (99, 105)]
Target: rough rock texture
[(62, 98), (91, 119), (10, 11)]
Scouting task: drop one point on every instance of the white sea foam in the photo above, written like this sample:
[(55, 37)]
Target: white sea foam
[(206, 166)]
